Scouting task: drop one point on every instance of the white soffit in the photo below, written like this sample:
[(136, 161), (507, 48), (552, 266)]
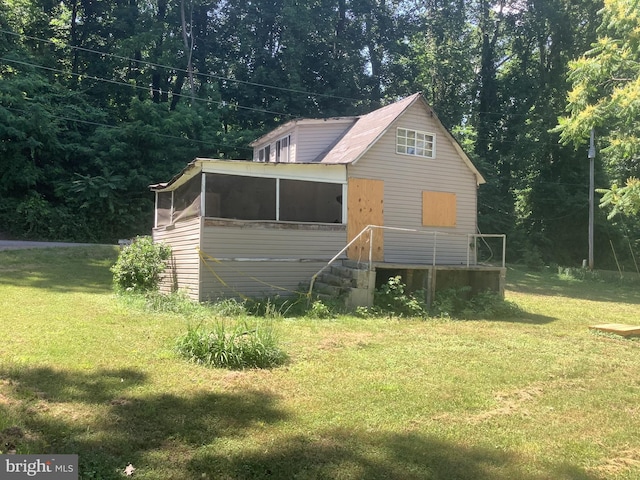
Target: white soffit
[(310, 172)]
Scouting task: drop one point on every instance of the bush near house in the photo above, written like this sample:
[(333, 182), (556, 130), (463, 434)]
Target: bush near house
[(139, 265)]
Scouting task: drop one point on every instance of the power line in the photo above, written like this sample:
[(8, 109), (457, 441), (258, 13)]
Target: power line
[(139, 87), (227, 79), (162, 135), (158, 65), (207, 101)]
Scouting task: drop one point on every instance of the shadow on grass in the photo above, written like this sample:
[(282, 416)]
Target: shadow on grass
[(98, 416), (549, 283), (527, 318), (77, 269), (366, 455), (222, 435), (170, 436)]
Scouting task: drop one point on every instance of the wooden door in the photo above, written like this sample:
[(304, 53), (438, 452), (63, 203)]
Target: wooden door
[(365, 206)]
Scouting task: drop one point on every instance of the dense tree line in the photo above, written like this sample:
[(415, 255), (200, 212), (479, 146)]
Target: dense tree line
[(100, 98)]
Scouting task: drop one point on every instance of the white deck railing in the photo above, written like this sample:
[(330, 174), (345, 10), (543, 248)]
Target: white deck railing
[(472, 240)]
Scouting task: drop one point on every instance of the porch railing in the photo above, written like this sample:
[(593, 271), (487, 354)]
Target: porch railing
[(472, 240)]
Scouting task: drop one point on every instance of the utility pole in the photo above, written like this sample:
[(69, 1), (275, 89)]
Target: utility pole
[(592, 156)]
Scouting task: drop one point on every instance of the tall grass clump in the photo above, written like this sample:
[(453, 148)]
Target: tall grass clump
[(234, 346), (277, 307), (462, 304), (139, 265), (229, 307)]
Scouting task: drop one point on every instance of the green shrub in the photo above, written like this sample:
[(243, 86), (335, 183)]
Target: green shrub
[(450, 302), (391, 298), (319, 309), (573, 273), (235, 346), (459, 303), (139, 265), (365, 312)]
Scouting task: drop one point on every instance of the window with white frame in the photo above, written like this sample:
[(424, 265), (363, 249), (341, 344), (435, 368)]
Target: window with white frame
[(263, 154), (413, 142), (282, 149)]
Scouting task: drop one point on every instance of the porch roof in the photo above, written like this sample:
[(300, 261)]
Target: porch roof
[(291, 171)]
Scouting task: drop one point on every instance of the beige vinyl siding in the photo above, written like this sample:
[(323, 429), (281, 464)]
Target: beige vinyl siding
[(406, 177), (255, 279), (312, 140), (254, 260), (183, 238)]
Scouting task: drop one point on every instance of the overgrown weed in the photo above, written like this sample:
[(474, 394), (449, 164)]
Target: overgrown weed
[(232, 345)]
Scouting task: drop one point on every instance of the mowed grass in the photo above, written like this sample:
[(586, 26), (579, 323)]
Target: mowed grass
[(535, 397)]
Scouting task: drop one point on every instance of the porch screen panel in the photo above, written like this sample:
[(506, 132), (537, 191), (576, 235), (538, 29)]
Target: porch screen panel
[(163, 209), (302, 201), (239, 197), (186, 200)]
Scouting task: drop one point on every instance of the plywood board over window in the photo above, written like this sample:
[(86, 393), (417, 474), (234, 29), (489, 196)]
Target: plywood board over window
[(365, 206), (438, 209)]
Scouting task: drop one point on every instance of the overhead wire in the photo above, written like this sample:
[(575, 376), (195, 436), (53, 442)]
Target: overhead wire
[(139, 87), (221, 103), (161, 135), (220, 77), (168, 67)]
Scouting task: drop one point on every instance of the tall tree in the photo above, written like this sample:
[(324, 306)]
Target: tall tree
[(605, 96)]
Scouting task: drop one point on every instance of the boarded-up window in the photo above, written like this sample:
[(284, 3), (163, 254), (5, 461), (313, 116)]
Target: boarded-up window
[(438, 209), (302, 201)]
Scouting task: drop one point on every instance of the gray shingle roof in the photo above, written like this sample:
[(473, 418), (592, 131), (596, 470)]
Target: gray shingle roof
[(364, 133)]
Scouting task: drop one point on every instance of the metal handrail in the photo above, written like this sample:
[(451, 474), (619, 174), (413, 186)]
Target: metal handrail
[(336, 256), (370, 229)]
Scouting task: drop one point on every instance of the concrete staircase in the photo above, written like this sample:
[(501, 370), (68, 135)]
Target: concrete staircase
[(346, 281)]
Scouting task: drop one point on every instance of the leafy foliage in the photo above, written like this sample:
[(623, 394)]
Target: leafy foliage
[(96, 101), (392, 298), (459, 303), (319, 309), (605, 96), (139, 265), (234, 346), (624, 200)]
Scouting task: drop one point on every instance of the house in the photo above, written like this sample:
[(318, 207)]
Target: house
[(393, 185)]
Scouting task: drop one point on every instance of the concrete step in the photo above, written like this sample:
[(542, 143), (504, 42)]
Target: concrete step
[(342, 271), (358, 278), (355, 265), (324, 297), (331, 290), (335, 280)]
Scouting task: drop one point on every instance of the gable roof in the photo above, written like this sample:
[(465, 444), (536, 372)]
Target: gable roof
[(365, 132), (368, 129)]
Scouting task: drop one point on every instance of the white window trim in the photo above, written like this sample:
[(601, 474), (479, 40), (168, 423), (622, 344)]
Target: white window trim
[(415, 147), (280, 158), (265, 155)]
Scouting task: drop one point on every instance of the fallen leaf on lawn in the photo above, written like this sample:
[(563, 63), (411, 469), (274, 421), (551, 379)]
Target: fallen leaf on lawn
[(129, 470)]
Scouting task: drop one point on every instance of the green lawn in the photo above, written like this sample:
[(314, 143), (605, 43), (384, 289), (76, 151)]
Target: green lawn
[(535, 397)]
